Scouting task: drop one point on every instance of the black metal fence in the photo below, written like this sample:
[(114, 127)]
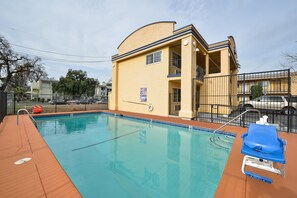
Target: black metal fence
[(224, 97), (3, 105), (50, 103)]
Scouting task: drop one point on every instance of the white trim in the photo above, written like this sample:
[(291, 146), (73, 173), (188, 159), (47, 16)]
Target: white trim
[(261, 164)]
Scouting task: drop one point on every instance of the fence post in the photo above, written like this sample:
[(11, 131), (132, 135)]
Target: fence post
[(240, 119), (211, 118), (243, 103), (56, 108), (1, 105), (14, 112), (4, 104), (289, 101), (217, 111)]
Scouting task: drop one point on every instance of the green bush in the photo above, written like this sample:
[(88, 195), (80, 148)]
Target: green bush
[(256, 91)]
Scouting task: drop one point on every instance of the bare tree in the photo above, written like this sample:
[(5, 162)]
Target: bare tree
[(290, 61), (16, 70)]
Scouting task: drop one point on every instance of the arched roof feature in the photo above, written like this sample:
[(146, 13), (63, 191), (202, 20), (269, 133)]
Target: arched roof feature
[(146, 34)]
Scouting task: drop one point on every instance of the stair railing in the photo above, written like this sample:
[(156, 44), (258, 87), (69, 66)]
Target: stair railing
[(25, 110), (237, 117)]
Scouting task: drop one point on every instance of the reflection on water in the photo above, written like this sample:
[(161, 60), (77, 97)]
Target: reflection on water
[(156, 161), (65, 124)]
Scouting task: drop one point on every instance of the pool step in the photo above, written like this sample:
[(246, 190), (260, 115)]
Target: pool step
[(225, 139), (258, 177)]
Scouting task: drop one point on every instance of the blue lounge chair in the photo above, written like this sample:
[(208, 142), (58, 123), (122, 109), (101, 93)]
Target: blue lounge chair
[(262, 149)]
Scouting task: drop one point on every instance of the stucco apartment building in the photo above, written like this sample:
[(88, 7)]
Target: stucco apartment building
[(102, 90), (160, 70), (42, 89), (273, 83)]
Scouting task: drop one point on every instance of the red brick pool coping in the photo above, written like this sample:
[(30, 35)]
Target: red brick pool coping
[(43, 176)]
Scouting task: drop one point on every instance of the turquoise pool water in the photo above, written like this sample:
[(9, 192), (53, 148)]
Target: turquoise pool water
[(113, 156)]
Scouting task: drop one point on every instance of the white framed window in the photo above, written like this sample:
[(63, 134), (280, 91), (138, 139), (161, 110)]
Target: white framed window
[(154, 57)]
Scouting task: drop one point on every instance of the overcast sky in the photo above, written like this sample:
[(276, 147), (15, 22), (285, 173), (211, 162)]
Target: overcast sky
[(263, 30)]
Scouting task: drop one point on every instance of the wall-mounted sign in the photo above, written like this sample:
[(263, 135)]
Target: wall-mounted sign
[(143, 94)]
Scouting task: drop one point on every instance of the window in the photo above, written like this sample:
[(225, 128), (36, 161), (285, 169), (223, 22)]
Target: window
[(154, 57), (276, 99), (176, 95), (264, 83), (177, 108), (149, 59), (292, 99), (176, 60), (246, 87)]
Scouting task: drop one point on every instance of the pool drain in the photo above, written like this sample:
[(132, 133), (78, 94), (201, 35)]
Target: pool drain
[(22, 161)]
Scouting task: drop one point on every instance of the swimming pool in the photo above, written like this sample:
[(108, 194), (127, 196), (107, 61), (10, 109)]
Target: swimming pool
[(114, 156)]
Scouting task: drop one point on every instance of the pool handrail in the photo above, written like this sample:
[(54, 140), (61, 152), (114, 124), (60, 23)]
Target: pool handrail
[(248, 110), (25, 110)]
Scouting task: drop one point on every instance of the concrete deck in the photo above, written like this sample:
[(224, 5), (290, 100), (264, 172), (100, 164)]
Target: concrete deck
[(43, 176)]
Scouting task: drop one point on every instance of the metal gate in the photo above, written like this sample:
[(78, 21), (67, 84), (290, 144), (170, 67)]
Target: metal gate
[(224, 97)]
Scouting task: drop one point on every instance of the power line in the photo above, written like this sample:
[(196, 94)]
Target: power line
[(63, 54), (65, 60), (46, 51)]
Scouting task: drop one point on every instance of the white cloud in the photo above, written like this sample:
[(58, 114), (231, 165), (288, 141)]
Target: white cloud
[(96, 28)]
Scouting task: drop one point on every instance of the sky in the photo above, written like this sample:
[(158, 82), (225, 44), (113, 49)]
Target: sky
[(91, 30)]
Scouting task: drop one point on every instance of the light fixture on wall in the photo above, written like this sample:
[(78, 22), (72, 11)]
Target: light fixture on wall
[(197, 50), (186, 42)]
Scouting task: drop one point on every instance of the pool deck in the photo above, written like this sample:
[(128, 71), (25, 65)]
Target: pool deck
[(43, 176)]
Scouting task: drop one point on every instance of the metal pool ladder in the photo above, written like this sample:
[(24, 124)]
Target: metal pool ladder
[(213, 139), (25, 110)]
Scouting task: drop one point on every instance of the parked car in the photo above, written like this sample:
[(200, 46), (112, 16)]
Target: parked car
[(88, 101), (73, 101), (57, 102), (85, 102), (102, 101), (279, 103)]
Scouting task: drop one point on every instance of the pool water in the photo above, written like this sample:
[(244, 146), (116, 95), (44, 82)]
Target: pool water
[(113, 156)]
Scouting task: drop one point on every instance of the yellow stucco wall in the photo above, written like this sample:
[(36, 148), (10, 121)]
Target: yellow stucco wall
[(188, 73), (130, 73), (134, 74), (146, 35)]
